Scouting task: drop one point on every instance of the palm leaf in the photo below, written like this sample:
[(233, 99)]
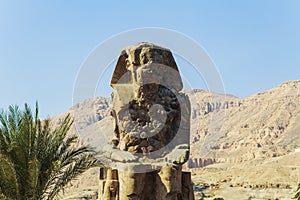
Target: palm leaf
[(41, 160), (8, 181)]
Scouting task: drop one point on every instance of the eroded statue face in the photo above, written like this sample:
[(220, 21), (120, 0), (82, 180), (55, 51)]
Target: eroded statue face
[(146, 101)]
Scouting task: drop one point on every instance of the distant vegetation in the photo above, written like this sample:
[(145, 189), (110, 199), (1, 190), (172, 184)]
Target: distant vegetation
[(36, 160)]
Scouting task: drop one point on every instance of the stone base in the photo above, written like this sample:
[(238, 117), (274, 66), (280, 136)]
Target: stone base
[(167, 183)]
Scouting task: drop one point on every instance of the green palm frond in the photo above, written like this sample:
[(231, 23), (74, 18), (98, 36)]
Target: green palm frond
[(297, 196), (61, 178), (42, 160), (8, 182)]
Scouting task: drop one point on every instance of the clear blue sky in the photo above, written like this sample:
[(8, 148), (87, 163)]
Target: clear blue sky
[(255, 44)]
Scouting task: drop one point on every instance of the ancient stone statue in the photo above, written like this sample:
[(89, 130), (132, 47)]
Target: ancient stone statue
[(151, 134)]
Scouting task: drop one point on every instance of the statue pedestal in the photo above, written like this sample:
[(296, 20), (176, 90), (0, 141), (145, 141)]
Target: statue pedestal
[(135, 181)]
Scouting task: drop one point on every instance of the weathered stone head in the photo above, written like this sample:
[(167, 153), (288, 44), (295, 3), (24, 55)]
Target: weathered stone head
[(152, 123), (147, 103)]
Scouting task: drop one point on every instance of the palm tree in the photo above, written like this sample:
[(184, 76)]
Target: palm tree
[(36, 160), (297, 196)]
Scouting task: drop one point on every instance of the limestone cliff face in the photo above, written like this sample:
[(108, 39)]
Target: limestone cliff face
[(256, 131), (200, 162), (263, 125)]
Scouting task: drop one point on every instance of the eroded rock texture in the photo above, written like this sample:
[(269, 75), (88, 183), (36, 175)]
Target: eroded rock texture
[(146, 108), (152, 120)]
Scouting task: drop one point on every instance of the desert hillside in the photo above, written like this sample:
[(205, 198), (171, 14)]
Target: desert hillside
[(264, 125), (246, 135)]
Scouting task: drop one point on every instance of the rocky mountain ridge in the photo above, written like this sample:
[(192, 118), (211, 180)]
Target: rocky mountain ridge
[(239, 143), (224, 128), (263, 125)]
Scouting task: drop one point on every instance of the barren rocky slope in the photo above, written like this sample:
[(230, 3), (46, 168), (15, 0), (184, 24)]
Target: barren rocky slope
[(225, 130), (263, 125)]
